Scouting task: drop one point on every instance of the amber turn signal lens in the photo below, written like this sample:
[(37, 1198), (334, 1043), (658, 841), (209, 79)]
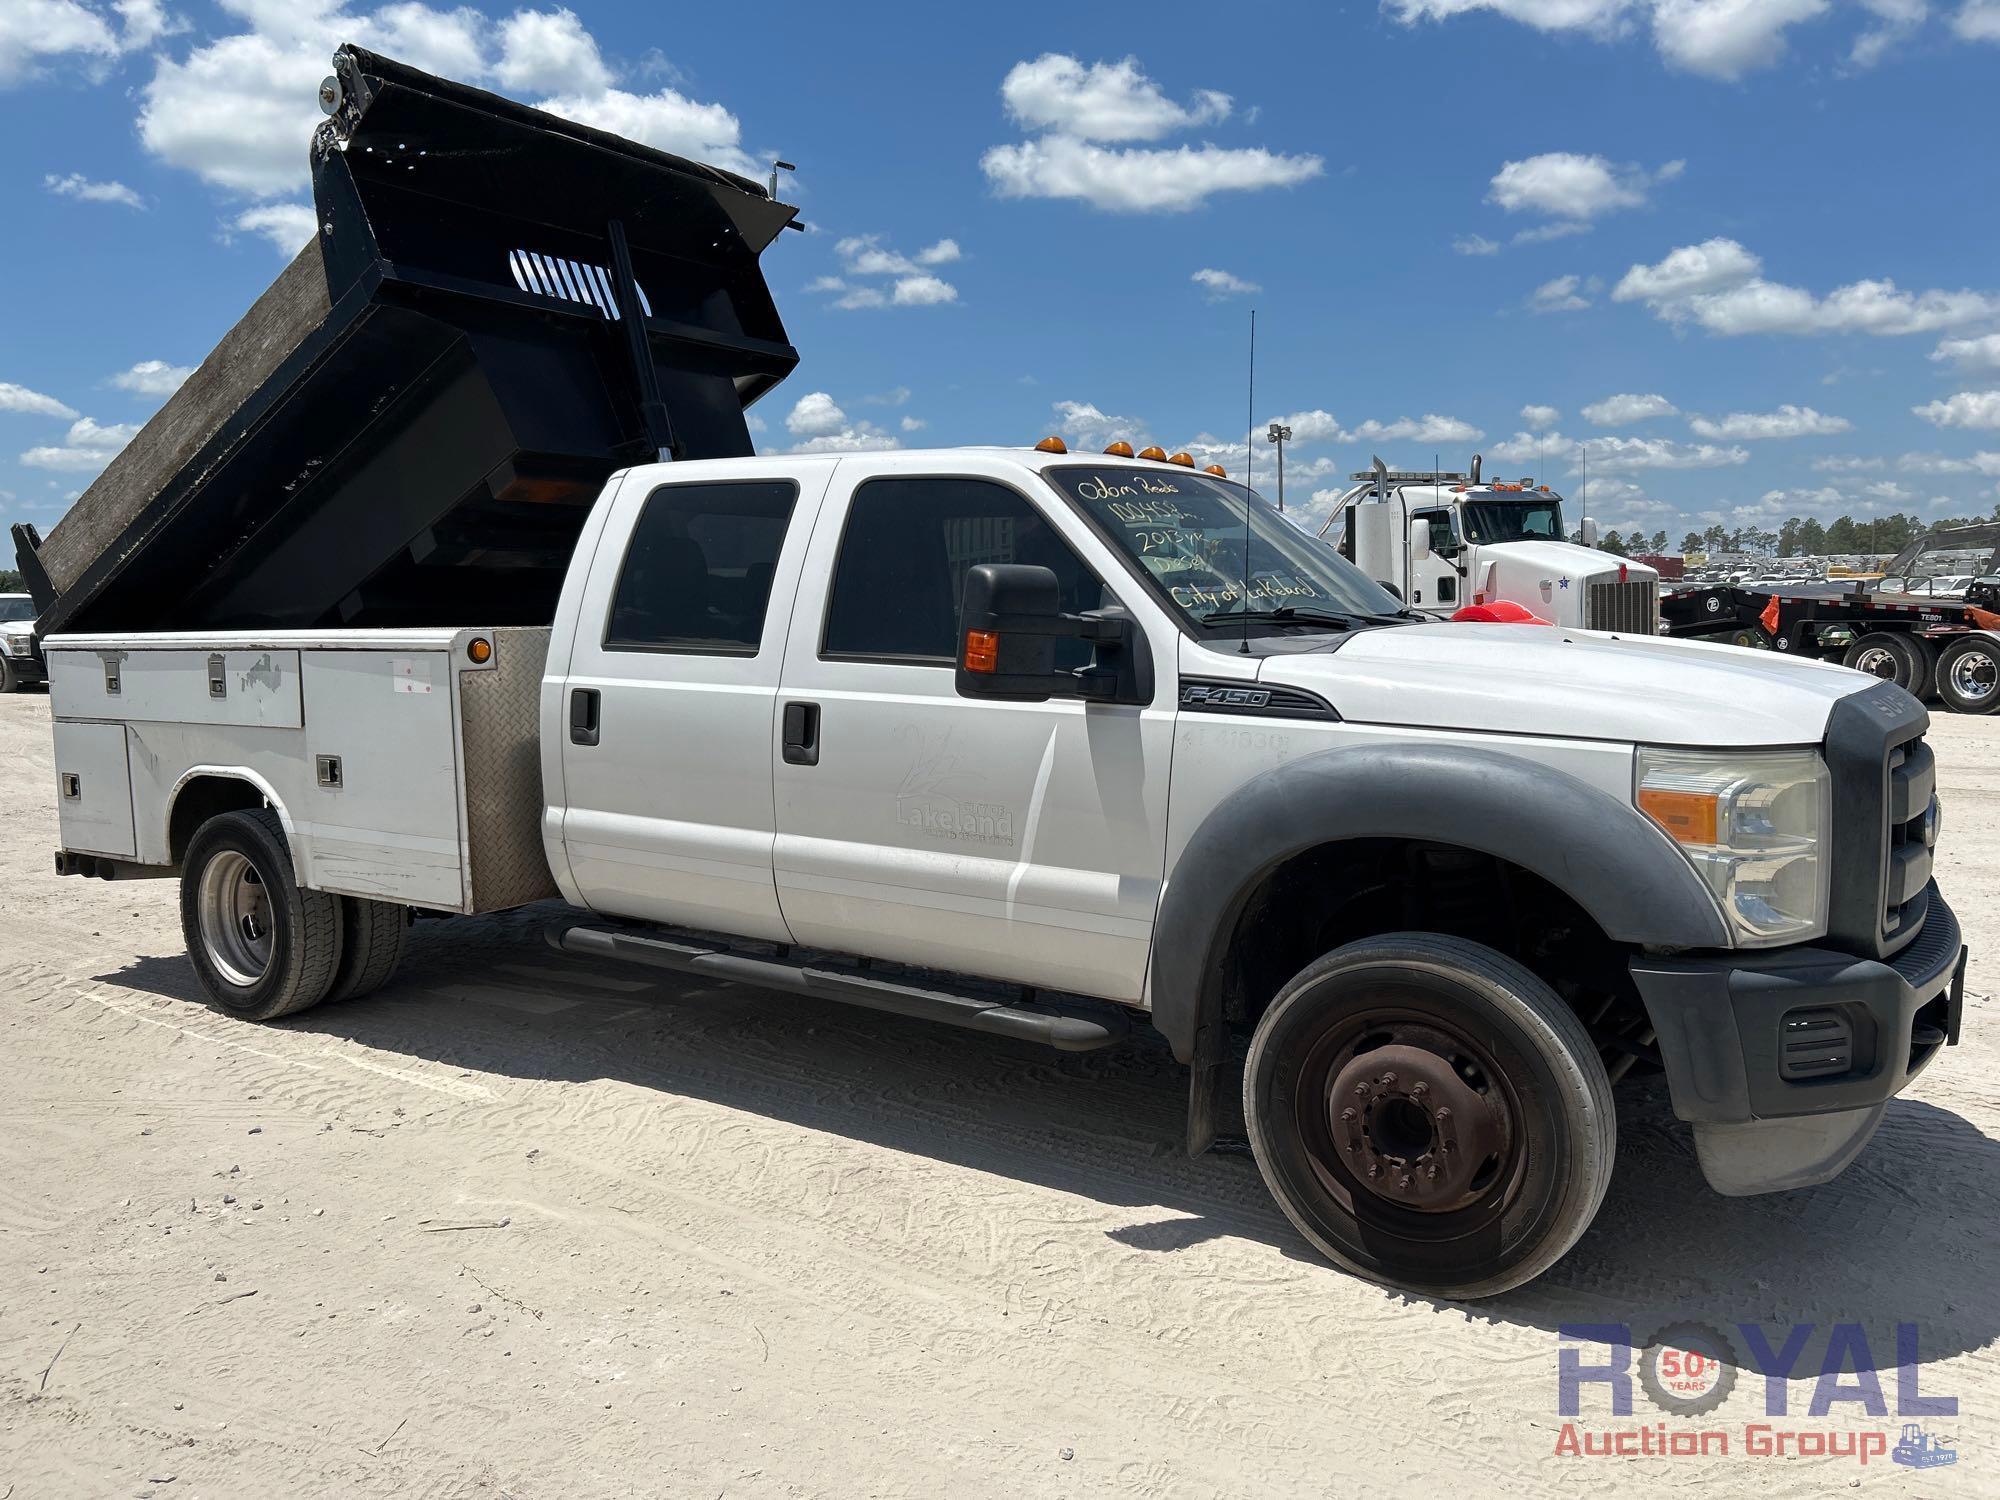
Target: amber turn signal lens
[(1217, 470), (1689, 816), (982, 651), (1120, 449), (480, 650), (1158, 455), (1052, 444)]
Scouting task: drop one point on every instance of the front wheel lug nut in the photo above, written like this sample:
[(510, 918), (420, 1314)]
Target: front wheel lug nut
[(1419, 1089), (1444, 1114)]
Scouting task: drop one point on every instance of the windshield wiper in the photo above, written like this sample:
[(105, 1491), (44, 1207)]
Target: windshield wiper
[(1285, 614)]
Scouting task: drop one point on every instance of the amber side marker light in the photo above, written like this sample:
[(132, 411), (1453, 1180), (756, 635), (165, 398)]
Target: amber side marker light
[(1120, 449), (480, 650), (982, 651), (1052, 444), (1689, 817)]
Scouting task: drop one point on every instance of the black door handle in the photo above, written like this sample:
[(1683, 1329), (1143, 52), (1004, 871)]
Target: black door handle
[(583, 716), (801, 746)]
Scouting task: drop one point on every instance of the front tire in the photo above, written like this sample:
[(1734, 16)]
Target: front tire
[(1430, 1114), (1968, 676), (262, 947), (10, 679), (1890, 656)]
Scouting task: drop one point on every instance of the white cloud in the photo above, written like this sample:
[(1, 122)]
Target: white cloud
[(1727, 38), (912, 424), (1716, 38), (911, 285), (1977, 21), (1613, 455), (1567, 185), (238, 110), (286, 225), (1979, 355), (90, 445), (1987, 464), (19, 398), (1095, 428), (1898, 21), (1558, 295), (817, 420), (1221, 284), (1978, 409), (1101, 101), (1788, 421), (922, 291), (1558, 229), (1717, 286), (1847, 463), (1622, 410), (76, 185), (1313, 426), (36, 31), (152, 377), (1690, 271), (814, 415), (1475, 244), (1429, 428), (1138, 181), (549, 52), (1540, 418)]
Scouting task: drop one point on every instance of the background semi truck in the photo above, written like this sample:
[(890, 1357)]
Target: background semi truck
[(1019, 740), (1449, 541)]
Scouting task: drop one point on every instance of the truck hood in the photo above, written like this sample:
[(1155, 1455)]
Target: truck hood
[(1556, 561), (1574, 684)]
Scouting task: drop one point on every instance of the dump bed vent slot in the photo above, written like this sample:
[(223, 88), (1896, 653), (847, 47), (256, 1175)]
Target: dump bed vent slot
[(569, 280)]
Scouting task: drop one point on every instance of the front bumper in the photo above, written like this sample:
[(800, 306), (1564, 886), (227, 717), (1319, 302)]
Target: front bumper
[(27, 668), (1785, 1061)]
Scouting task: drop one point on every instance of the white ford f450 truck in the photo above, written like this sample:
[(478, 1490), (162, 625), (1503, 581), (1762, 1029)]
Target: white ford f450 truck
[(1452, 541), (1037, 743)]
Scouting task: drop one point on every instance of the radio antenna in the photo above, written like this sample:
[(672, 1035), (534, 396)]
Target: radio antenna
[(1249, 471)]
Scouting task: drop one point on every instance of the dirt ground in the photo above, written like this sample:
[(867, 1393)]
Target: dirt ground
[(522, 1227)]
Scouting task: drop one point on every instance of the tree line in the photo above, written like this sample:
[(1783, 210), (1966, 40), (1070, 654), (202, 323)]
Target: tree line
[(1797, 536)]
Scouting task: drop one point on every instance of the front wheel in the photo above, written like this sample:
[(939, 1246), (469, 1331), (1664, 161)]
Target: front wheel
[(1430, 1114), (1968, 676)]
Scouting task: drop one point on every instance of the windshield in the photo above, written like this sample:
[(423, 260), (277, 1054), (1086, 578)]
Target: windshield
[(1539, 520), (12, 611), (1184, 532)]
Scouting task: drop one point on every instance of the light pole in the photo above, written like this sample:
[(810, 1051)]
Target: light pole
[(1279, 434)]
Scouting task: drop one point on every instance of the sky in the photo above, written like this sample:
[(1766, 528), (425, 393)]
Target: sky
[(1737, 253)]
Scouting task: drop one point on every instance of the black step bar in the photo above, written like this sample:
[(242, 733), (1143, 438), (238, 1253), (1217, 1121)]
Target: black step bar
[(1067, 1025)]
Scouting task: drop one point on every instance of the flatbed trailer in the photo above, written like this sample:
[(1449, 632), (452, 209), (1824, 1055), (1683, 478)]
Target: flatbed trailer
[(1943, 648)]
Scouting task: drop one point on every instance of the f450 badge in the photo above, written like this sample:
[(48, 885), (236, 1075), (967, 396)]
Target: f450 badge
[(1201, 695)]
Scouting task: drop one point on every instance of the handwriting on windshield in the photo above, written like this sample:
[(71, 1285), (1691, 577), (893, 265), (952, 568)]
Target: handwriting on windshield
[(1267, 591)]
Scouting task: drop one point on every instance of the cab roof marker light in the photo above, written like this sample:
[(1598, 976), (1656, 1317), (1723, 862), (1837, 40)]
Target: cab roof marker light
[(1119, 449), (1217, 470), (1185, 460), (1052, 444), (1157, 455)]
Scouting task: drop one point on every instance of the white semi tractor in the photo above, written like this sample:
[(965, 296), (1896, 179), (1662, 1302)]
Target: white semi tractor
[(1449, 541)]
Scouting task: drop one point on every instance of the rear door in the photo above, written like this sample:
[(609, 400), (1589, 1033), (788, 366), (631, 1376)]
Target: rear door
[(1020, 841), (668, 707)]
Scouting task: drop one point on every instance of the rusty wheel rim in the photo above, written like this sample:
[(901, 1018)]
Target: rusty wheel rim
[(1408, 1119)]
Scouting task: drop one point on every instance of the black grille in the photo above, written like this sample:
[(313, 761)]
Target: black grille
[(1632, 606), (1815, 1044), (1884, 776)]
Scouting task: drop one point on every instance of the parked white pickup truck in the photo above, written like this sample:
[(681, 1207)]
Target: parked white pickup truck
[(1002, 738)]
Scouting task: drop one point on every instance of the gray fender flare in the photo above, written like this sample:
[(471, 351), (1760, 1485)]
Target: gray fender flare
[(1605, 855)]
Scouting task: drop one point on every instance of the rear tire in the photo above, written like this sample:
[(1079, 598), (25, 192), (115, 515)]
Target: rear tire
[(1885, 654), (1968, 676), (1924, 657), (373, 938), (262, 947), (10, 680), (1430, 1114)]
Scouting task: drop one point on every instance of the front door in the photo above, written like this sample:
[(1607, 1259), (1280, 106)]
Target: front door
[(1434, 579), (669, 704), (1024, 841)]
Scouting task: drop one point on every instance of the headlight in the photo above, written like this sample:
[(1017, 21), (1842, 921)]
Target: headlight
[(20, 644), (1753, 823)]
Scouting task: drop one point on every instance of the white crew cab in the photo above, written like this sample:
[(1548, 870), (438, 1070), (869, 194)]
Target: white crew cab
[(1041, 743)]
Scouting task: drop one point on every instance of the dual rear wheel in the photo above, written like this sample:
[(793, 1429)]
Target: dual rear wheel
[(261, 946)]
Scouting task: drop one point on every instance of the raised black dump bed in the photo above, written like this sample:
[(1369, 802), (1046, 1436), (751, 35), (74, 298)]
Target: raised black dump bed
[(409, 426)]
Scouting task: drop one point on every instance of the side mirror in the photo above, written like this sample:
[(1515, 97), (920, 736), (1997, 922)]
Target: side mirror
[(1009, 620), (1420, 540), (1589, 532), (1392, 588)]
